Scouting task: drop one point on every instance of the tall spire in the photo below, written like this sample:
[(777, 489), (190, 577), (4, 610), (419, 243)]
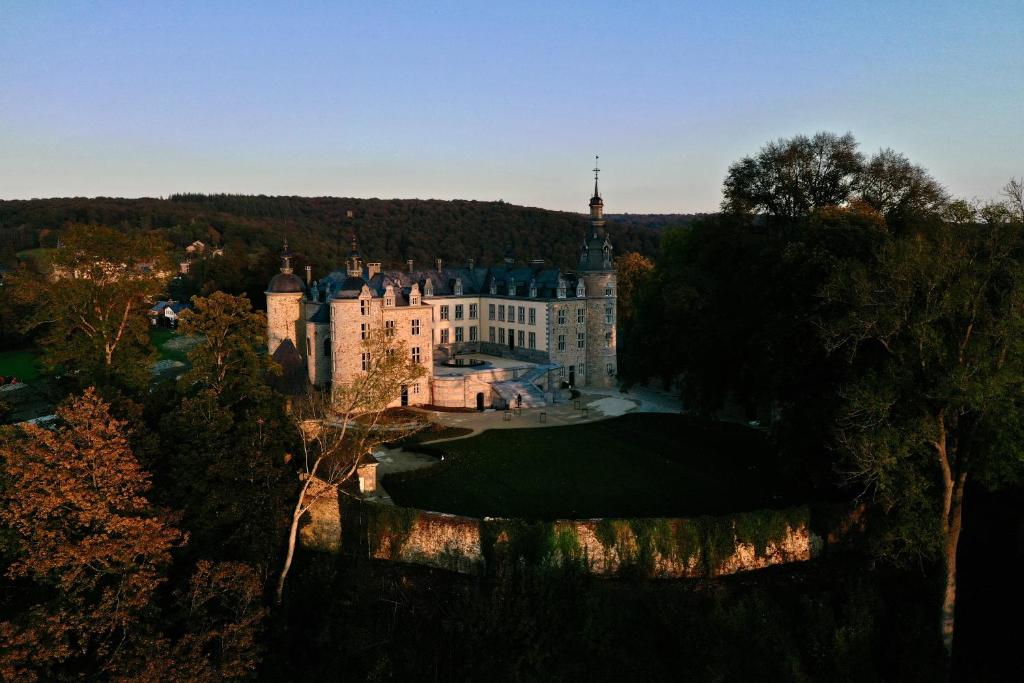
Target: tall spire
[(596, 204), (286, 258)]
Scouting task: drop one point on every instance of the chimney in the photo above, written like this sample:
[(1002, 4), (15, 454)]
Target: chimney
[(537, 262), (409, 263), (309, 275), (372, 269), (471, 262), (439, 265)]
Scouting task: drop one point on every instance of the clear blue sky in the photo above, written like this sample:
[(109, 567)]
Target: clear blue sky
[(494, 100)]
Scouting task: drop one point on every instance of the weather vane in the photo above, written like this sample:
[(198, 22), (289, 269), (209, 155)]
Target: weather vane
[(596, 169)]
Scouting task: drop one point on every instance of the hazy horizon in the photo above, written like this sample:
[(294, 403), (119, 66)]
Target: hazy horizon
[(489, 102)]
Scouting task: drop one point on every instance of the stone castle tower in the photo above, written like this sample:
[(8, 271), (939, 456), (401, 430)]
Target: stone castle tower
[(597, 270), (284, 308)]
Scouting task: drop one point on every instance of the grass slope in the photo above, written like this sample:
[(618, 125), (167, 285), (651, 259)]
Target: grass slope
[(638, 465)]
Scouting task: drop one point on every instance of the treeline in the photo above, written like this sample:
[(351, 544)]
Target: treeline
[(319, 229)]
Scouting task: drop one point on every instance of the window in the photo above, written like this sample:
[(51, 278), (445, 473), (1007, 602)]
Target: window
[(327, 346), (389, 328), (533, 289), (533, 316), (608, 290), (580, 290), (561, 288), (458, 311), (610, 369), (472, 311), (494, 287), (501, 335), (415, 327), (511, 287), (561, 342), (458, 334), (520, 337), (490, 334), (444, 336), (561, 316), (366, 362), (561, 372), (501, 313), (472, 334), (581, 316), (458, 287), (416, 389), (581, 340), (364, 307), (522, 315), (609, 314), (415, 354), (511, 314), (389, 301), (583, 369), (364, 330), (490, 311), (444, 312), (309, 347), (533, 340)]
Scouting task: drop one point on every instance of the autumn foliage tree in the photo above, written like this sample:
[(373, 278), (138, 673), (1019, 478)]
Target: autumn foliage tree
[(88, 546)]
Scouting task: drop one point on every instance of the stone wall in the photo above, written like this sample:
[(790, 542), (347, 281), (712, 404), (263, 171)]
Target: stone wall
[(657, 548)]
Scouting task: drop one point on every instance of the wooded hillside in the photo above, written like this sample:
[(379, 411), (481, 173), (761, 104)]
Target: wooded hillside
[(319, 229)]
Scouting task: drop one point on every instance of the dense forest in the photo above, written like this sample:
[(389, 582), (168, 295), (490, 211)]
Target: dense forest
[(319, 228)]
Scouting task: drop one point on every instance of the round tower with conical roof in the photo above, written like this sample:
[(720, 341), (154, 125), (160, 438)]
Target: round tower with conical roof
[(597, 271), (284, 307)]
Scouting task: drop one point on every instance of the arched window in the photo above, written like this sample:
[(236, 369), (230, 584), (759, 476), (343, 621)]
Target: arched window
[(327, 346)]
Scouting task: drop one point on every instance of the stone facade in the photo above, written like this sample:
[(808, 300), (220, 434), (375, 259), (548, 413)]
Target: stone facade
[(526, 312)]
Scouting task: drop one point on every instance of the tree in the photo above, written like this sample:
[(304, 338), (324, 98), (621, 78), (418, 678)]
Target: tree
[(224, 442), (898, 189), (341, 428), (86, 538), (631, 268), (93, 312), (790, 178), (934, 327), (227, 360)]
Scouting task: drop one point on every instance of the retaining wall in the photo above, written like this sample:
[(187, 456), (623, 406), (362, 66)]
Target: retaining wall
[(663, 548)]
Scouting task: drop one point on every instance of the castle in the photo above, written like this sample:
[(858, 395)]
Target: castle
[(508, 334)]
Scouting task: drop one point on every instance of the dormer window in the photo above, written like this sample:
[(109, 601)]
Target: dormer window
[(457, 289), (511, 287), (389, 297), (414, 295), (428, 288), (561, 288), (581, 291), (494, 286), (533, 289)]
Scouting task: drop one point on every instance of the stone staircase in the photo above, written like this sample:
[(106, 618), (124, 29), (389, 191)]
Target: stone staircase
[(524, 387)]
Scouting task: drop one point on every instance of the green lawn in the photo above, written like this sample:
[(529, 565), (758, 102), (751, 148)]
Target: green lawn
[(160, 336), (20, 364), (638, 465)]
